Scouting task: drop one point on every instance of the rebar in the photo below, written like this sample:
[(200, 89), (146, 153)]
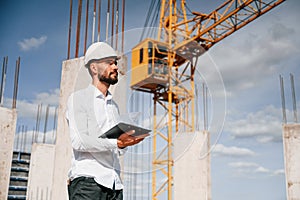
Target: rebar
[(107, 19), (18, 138), (113, 25), (38, 118), (22, 139), (32, 136), (294, 98), (45, 124), (196, 107), (54, 125), (205, 118), (282, 100), (117, 24), (16, 82), (86, 24), (94, 22), (3, 79), (25, 139), (123, 25), (78, 28), (99, 19), (70, 30), (112, 22)]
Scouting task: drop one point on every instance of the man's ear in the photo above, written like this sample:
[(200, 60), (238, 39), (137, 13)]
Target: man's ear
[(93, 68)]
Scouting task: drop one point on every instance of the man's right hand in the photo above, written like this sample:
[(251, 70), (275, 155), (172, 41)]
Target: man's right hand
[(126, 139)]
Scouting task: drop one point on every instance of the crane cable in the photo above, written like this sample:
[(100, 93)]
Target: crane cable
[(191, 12), (149, 14), (147, 18), (154, 21)]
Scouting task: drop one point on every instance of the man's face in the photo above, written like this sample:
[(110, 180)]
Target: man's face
[(108, 71)]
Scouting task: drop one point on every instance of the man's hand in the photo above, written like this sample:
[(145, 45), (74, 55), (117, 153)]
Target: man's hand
[(126, 139)]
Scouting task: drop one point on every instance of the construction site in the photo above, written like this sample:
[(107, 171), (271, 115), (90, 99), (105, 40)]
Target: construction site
[(163, 86)]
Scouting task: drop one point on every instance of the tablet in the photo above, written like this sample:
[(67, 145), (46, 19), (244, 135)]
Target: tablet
[(121, 128)]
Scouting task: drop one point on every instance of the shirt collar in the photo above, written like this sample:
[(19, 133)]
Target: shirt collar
[(99, 94)]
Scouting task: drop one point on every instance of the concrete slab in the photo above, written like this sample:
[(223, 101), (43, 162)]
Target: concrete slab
[(291, 141), (8, 120), (192, 166)]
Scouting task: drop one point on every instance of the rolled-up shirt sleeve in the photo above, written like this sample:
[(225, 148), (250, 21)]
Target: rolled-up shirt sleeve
[(84, 138)]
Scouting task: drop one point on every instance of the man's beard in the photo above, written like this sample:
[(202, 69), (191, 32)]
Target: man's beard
[(109, 80)]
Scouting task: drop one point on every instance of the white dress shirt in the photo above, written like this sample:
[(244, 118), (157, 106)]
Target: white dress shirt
[(89, 115)]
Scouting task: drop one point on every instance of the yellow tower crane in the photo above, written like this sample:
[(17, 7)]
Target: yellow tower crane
[(165, 67)]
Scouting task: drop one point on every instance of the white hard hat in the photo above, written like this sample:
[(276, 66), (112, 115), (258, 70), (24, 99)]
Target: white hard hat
[(97, 51)]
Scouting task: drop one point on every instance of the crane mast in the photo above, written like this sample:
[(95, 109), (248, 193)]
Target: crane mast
[(165, 67)]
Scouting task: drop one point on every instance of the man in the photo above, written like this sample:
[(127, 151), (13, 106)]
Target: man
[(95, 170)]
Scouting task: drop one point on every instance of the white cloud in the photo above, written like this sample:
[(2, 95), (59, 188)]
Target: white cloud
[(28, 109), (252, 57), (279, 172), (261, 169), (251, 168), (32, 43), (264, 125), (232, 151), (243, 164), (51, 97)]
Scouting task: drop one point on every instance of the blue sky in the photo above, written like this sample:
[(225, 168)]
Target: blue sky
[(247, 161)]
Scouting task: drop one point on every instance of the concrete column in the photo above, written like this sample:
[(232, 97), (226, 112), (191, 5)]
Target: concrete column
[(74, 76), (192, 166), (8, 120), (291, 142), (40, 172)]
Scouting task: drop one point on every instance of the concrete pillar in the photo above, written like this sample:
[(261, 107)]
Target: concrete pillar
[(74, 76), (291, 142), (40, 172), (8, 120), (192, 166)]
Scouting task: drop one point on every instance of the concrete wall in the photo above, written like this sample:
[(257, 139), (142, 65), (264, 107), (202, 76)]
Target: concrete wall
[(192, 166), (40, 172), (74, 77), (8, 120), (291, 141)]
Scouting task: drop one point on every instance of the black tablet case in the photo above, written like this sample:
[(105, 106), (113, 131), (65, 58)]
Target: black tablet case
[(121, 128)]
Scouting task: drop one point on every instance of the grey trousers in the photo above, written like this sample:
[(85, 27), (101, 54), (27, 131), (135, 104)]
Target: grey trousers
[(84, 188)]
